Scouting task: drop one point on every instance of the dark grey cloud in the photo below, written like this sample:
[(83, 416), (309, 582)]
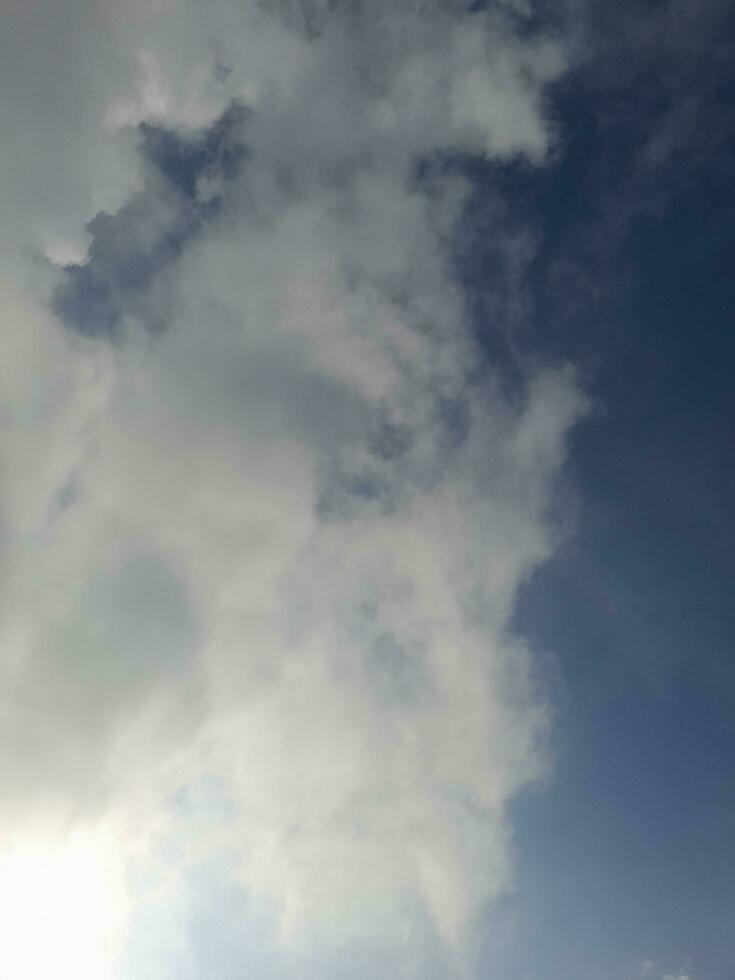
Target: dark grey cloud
[(184, 182)]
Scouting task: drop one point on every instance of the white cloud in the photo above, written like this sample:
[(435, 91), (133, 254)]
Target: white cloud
[(649, 967), (277, 546)]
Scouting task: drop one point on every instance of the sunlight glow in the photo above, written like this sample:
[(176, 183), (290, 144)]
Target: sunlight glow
[(62, 910)]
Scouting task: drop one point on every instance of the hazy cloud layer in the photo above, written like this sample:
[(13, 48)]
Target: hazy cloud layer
[(264, 510)]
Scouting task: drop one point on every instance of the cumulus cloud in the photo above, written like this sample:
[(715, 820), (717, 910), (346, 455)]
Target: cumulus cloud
[(265, 509)]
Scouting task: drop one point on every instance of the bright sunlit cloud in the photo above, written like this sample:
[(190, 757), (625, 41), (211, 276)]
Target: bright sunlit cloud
[(265, 508), (62, 910)]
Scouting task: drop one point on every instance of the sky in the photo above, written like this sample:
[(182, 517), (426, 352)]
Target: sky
[(366, 480)]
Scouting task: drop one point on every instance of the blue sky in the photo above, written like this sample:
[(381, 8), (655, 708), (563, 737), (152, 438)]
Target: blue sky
[(631, 845), (367, 515)]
